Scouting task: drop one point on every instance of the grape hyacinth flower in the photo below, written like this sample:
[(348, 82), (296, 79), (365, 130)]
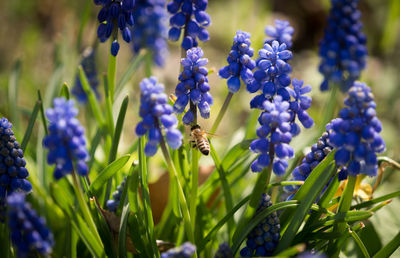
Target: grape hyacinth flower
[(13, 173), (155, 111), (193, 86), (113, 204), (224, 251), (343, 49), (282, 32), (355, 134), (114, 15), (29, 233), (150, 30), (191, 16), (318, 152), (240, 65), (88, 64), (299, 105), (186, 250), (264, 238), (66, 140), (272, 74), (274, 137)]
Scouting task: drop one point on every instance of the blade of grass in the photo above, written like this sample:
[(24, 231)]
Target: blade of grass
[(31, 123), (389, 248), (123, 231), (359, 243), (375, 200)]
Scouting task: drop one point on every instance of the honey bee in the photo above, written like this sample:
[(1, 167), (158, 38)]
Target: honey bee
[(199, 139)]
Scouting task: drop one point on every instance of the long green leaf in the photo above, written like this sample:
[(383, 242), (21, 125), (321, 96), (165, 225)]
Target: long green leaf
[(359, 243), (376, 200), (389, 248), (31, 123), (13, 93), (123, 231), (109, 171), (321, 174)]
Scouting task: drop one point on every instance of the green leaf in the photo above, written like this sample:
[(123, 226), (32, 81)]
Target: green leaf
[(389, 248), (376, 200), (123, 231), (64, 91), (118, 130), (359, 243), (42, 114), (132, 67), (31, 123), (109, 171), (314, 184), (370, 237)]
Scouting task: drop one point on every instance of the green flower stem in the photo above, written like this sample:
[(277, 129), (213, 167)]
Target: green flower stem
[(195, 184), (221, 113), (148, 63), (329, 108), (262, 182), (109, 116), (344, 206), (111, 71), (182, 199), (84, 208)]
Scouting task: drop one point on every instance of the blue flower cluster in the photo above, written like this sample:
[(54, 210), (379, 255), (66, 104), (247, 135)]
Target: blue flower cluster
[(29, 233), (193, 86), (264, 238), (224, 251), (282, 32), (272, 74), (192, 17), (356, 133), (343, 49), (88, 64), (155, 111), (186, 250), (240, 64), (66, 140), (318, 152), (113, 204), (274, 136), (280, 103), (150, 30), (13, 173), (115, 14)]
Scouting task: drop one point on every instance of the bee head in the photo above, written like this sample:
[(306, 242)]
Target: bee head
[(195, 127)]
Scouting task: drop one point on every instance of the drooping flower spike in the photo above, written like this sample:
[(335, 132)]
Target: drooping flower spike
[(66, 140), (150, 30), (264, 238), (240, 65), (343, 49), (114, 15), (88, 64), (355, 134), (29, 233), (13, 173), (281, 32), (193, 86), (113, 203), (191, 17), (156, 113), (186, 250)]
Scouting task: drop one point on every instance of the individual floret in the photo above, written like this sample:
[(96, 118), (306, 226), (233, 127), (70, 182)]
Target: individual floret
[(114, 15), (150, 30), (66, 140), (113, 203), (88, 64), (240, 65), (274, 137), (224, 251), (355, 134), (29, 233), (193, 86), (191, 17), (156, 113), (264, 238), (13, 173), (282, 32), (343, 49), (186, 250)]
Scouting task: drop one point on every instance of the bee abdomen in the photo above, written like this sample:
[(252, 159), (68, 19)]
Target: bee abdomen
[(204, 147)]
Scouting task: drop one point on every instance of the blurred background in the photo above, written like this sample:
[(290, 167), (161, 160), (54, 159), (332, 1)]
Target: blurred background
[(42, 42)]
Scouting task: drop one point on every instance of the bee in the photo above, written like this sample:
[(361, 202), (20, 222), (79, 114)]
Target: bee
[(199, 139)]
